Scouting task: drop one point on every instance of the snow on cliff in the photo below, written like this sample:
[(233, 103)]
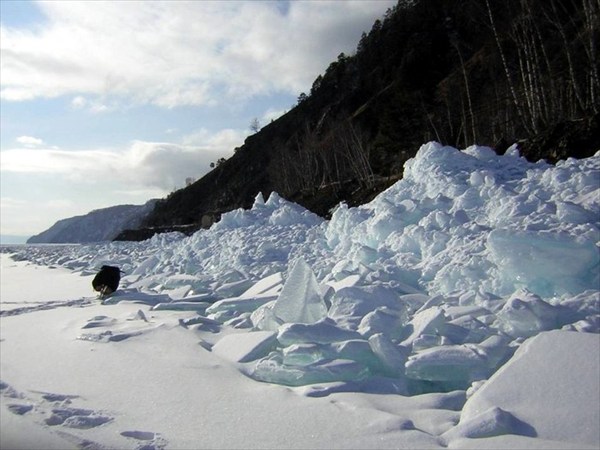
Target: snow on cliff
[(96, 226)]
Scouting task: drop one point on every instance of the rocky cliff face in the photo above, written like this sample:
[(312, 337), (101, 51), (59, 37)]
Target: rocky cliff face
[(99, 225)]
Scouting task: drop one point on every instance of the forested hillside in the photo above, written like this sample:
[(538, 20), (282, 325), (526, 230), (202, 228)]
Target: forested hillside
[(455, 71)]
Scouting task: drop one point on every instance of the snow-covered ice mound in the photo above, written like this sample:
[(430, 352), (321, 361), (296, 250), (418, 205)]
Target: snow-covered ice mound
[(431, 287), (474, 221), (543, 394)]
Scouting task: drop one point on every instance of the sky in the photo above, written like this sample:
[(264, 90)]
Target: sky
[(119, 102)]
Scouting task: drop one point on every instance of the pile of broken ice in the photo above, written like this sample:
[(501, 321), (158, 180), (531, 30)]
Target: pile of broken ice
[(430, 287)]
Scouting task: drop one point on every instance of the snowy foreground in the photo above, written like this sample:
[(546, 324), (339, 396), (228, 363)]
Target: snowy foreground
[(460, 309)]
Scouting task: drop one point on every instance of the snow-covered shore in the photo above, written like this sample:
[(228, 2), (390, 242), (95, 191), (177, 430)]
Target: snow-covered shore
[(458, 309)]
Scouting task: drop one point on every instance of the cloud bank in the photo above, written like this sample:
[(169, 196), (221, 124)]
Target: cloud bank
[(174, 54), (158, 165), (134, 174)]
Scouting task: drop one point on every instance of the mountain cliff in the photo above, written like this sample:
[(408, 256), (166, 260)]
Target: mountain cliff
[(99, 225), (457, 72)]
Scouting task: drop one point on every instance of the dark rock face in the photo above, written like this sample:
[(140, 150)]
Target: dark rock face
[(575, 138)]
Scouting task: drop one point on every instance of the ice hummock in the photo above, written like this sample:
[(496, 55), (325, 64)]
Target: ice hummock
[(434, 284)]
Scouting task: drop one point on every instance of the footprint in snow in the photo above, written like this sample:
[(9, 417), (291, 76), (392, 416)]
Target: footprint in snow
[(60, 411), (80, 443), (150, 440), (86, 422), (16, 408), (57, 407), (76, 418), (139, 435), (51, 397), (8, 391), (19, 409), (46, 306)]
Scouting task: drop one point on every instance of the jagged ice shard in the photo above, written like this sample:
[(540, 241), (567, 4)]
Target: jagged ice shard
[(300, 300)]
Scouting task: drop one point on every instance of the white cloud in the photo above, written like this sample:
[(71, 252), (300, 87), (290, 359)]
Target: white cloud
[(30, 141), (17, 218), (178, 53), (60, 204), (223, 141), (138, 196), (45, 160), (10, 202), (165, 165), (94, 105), (79, 102), (143, 165)]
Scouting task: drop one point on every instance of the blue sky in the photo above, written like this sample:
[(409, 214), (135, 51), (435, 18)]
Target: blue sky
[(106, 103)]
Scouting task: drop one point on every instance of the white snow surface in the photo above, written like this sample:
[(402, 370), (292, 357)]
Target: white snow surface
[(460, 308)]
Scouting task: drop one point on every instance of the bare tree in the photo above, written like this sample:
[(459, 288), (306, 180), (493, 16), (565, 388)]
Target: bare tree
[(255, 125), (509, 80)]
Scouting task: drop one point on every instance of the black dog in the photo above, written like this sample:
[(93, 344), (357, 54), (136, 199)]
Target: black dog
[(107, 280)]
